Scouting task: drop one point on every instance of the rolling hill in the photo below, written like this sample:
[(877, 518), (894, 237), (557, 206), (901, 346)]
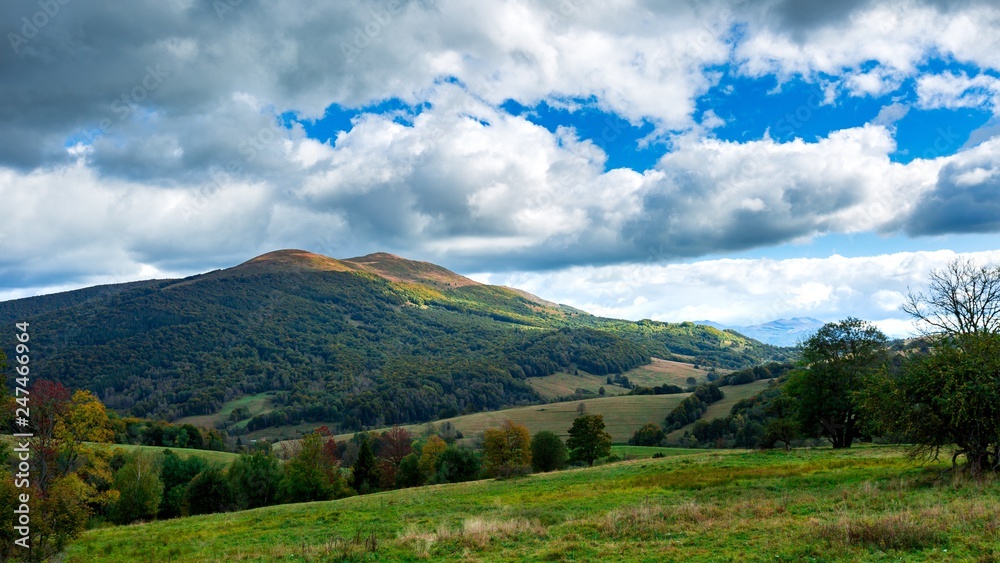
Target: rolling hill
[(355, 343)]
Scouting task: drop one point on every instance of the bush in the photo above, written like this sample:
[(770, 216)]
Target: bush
[(649, 435), (209, 492), (548, 452), (457, 464)]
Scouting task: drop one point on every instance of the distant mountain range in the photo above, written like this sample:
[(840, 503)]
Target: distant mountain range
[(781, 332)]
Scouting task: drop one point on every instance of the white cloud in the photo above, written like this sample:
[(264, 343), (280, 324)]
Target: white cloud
[(744, 292), (894, 36), (957, 90)]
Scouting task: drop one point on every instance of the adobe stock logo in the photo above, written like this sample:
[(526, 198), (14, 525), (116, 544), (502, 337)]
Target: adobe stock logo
[(364, 35), (31, 26)]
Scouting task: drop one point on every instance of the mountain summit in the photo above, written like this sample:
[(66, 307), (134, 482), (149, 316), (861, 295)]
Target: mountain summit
[(352, 343)]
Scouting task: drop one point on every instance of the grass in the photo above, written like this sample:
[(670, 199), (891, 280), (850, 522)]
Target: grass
[(223, 458), (720, 409), (622, 416), (257, 404), (565, 384), (863, 504), (665, 371), (642, 452)]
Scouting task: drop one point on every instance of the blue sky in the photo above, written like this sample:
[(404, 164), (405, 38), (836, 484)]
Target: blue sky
[(563, 148)]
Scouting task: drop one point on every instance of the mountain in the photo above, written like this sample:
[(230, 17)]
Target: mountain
[(354, 343), (781, 332)]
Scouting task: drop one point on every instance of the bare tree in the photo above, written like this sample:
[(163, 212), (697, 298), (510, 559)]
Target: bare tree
[(963, 298)]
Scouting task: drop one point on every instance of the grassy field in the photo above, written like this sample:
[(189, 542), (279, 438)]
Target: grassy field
[(642, 452), (863, 504), (565, 384), (224, 458), (622, 416), (257, 404), (719, 409), (664, 371)]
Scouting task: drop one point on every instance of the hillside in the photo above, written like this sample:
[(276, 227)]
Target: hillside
[(862, 504), (623, 415), (361, 342)]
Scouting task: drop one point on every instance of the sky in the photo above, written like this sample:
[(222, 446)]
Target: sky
[(728, 160)]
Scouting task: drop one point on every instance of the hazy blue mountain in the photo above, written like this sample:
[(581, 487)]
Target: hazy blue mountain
[(780, 332)]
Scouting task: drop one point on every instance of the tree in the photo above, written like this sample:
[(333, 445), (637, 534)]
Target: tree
[(548, 452), (209, 492), (434, 447), (409, 471), (961, 299), (64, 513), (649, 435), (176, 473), (255, 478), (587, 439), (364, 473), (782, 430), (141, 490), (49, 402), (395, 444), (838, 359), (949, 397), (312, 474), (507, 450), (948, 393), (457, 464), (86, 420)]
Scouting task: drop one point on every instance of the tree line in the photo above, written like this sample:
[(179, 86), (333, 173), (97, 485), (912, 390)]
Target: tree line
[(938, 393), (80, 478)]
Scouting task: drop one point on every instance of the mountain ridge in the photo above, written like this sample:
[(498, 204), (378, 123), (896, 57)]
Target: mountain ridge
[(355, 343), (779, 332)]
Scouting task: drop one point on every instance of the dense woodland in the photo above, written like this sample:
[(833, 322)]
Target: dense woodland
[(349, 348)]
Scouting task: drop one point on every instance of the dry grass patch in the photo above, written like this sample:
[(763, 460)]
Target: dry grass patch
[(478, 532), (900, 531), (650, 519)]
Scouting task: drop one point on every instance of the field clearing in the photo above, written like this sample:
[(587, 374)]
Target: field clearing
[(643, 452), (256, 404), (224, 458), (733, 394), (622, 416), (861, 504), (565, 384), (660, 371)]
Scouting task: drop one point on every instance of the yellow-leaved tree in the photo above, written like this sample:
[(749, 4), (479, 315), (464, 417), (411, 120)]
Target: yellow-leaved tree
[(86, 420), (507, 450)]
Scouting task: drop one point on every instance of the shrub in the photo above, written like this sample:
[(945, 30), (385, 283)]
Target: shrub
[(548, 452)]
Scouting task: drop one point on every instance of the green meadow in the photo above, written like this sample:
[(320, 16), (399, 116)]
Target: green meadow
[(862, 504)]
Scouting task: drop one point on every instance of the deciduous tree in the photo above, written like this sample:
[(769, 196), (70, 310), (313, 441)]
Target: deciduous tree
[(141, 490), (506, 450), (434, 447), (838, 358), (548, 452), (587, 439)]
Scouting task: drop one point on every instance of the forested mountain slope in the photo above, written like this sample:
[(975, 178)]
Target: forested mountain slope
[(367, 341)]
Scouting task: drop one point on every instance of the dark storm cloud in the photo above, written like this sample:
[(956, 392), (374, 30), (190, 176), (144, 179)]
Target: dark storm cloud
[(173, 73), (797, 16), (966, 198)]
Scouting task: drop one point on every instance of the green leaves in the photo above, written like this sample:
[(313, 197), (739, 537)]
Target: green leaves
[(838, 358)]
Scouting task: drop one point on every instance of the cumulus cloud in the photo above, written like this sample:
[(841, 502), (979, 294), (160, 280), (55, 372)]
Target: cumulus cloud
[(868, 47), (953, 90), (169, 137), (966, 196), (744, 292)]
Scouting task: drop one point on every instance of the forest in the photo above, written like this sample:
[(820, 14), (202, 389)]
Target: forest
[(393, 344)]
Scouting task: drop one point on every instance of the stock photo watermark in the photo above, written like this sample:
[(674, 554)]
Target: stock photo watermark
[(33, 24)]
